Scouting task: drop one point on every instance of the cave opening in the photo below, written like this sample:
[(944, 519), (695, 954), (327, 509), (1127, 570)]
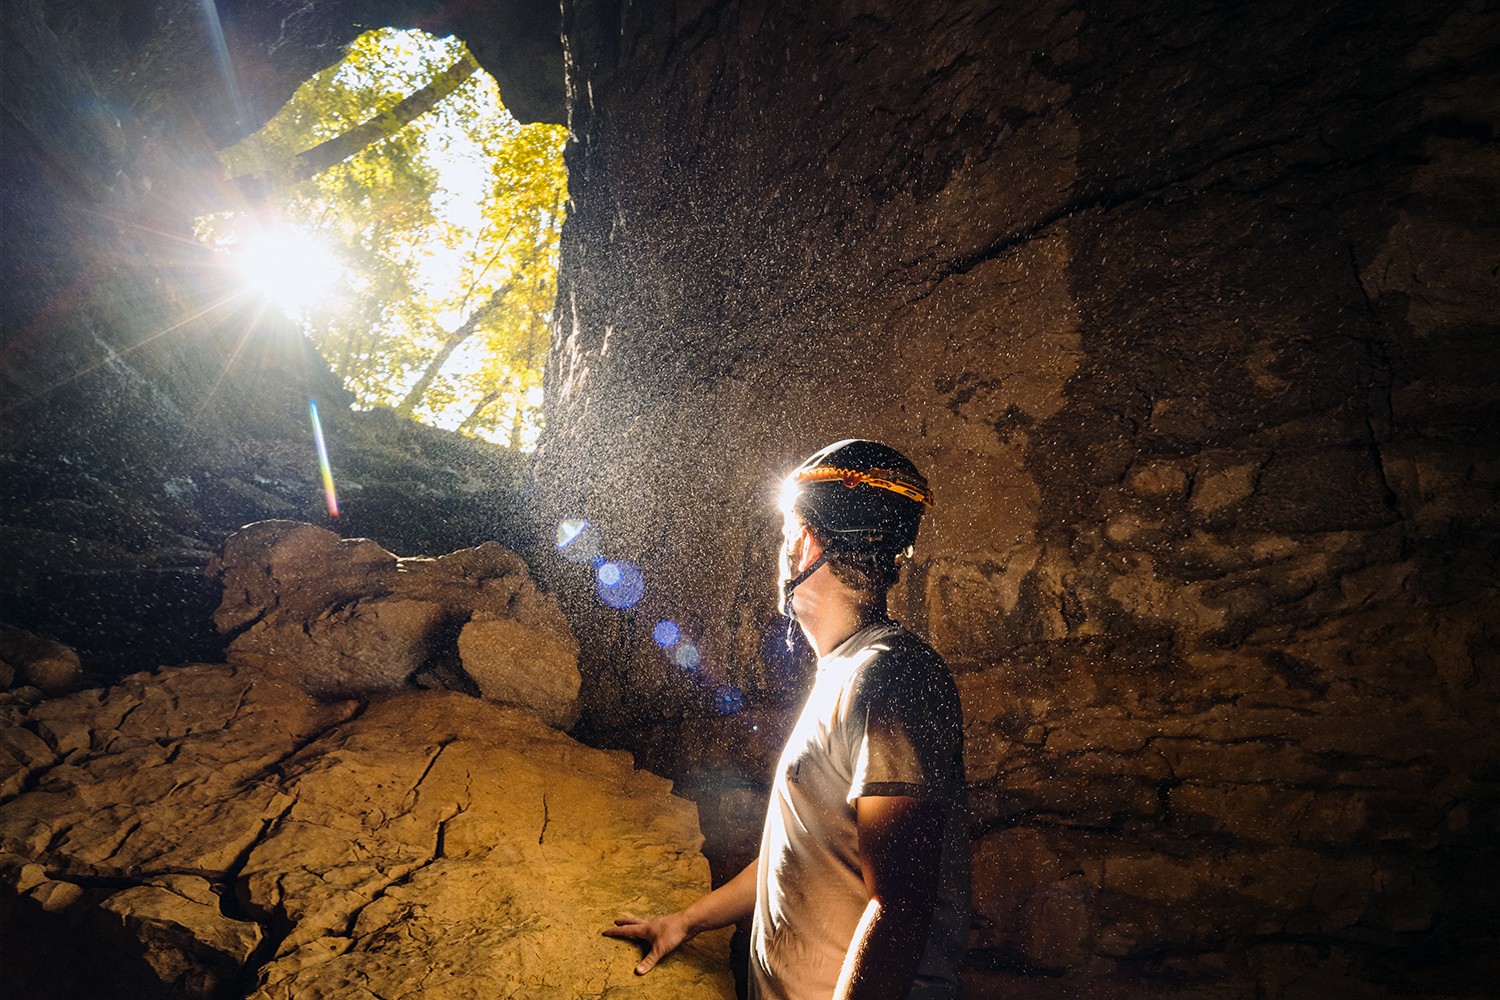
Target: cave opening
[(402, 218)]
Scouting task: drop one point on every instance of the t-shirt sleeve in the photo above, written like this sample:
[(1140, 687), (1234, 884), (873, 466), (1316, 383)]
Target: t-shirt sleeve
[(905, 729)]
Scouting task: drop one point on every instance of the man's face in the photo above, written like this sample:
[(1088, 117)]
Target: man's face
[(793, 538)]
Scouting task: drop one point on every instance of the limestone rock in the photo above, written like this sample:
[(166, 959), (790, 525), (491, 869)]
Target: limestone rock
[(287, 570), (41, 663), (363, 646), (427, 843), (187, 942), (349, 618), (511, 663)]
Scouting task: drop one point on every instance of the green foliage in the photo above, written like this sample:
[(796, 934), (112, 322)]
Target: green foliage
[(445, 214)]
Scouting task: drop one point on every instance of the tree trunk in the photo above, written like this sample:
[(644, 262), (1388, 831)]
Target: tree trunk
[(466, 330), (485, 402)]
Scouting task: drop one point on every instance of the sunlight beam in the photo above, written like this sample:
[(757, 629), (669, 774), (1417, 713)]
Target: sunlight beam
[(288, 267)]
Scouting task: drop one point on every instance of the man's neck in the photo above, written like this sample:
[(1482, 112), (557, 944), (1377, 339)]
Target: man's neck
[(829, 618)]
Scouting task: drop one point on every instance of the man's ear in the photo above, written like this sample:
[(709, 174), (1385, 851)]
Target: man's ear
[(810, 549)]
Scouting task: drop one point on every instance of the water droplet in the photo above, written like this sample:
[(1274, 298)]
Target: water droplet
[(728, 699)]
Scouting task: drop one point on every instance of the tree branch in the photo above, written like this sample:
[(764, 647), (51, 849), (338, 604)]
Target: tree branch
[(450, 344), (331, 152)]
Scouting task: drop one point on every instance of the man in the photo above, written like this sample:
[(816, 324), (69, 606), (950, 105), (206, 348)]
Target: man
[(860, 889)]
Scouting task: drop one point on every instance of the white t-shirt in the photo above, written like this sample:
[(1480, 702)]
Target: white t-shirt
[(883, 718)]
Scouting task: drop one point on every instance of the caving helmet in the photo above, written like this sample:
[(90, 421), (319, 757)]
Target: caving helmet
[(859, 497)]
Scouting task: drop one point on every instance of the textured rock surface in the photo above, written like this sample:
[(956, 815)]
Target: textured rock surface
[(214, 831), (1189, 315), (42, 663), (184, 936), (513, 663), (346, 617)]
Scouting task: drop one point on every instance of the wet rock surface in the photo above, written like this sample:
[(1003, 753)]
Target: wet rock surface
[(1183, 314), (214, 830)]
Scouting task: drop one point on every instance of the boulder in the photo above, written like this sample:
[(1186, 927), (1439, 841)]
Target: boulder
[(38, 662), (347, 618), (217, 827), (512, 664)]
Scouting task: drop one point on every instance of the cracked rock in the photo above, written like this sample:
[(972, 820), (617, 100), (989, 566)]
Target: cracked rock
[(215, 828), (185, 939)]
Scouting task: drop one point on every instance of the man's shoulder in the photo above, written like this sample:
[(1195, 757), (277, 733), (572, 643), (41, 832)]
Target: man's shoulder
[(902, 660), (896, 645)]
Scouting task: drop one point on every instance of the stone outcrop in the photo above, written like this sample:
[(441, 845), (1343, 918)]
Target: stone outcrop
[(32, 661), (348, 618), (214, 830)]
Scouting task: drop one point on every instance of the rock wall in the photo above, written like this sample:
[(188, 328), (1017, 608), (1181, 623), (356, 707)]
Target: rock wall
[(1189, 316)]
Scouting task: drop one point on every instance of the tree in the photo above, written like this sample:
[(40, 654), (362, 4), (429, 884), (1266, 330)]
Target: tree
[(445, 213)]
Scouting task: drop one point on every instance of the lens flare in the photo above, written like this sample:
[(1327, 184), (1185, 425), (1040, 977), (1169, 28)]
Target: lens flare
[(328, 491), (568, 530), (626, 587), (221, 54), (665, 634), (687, 656), (578, 542)]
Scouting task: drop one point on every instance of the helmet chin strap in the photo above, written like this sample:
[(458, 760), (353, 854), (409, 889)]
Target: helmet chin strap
[(794, 582), (786, 597)]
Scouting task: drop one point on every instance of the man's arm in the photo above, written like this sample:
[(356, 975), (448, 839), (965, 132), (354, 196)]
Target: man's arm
[(728, 904), (900, 850)]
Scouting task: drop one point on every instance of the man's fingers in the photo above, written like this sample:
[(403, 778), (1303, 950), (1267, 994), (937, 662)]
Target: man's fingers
[(655, 933), (649, 962), (625, 927)]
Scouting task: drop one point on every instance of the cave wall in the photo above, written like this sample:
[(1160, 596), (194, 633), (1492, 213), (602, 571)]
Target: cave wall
[(1188, 313)]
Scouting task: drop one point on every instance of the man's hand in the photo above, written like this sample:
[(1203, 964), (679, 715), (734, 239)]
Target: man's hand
[(729, 903), (662, 935)]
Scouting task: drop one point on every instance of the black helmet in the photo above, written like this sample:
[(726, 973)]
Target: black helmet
[(859, 496)]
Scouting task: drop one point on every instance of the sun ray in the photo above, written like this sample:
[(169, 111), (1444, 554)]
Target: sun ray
[(113, 354)]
